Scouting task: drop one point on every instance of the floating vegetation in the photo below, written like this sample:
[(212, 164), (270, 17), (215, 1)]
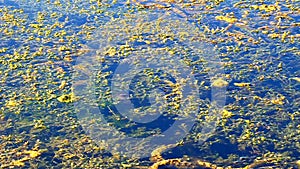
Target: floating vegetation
[(257, 44), (66, 98), (242, 84), (227, 19), (219, 83)]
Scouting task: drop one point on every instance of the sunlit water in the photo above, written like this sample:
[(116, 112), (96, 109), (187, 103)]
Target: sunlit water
[(257, 47)]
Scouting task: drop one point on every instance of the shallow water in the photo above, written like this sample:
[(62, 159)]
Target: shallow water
[(113, 84)]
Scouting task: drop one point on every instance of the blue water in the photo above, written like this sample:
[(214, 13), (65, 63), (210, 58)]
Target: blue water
[(37, 117)]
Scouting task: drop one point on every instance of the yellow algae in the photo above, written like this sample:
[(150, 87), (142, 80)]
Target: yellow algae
[(171, 51), (111, 51), (219, 83), (246, 136), (226, 19), (69, 156), (298, 163), (246, 13), (13, 66), (48, 71), (280, 65), (279, 100), (266, 8), (11, 103), (68, 58), (39, 124), (67, 98), (35, 25), (292, 39), (247, 122), (126, 165), (284, 35), (62, 85), (32, 153), (2, 50), (57, 2), (177, 106), (242, 84), (226, 114), (274, 35), (257, 98), (147, 42), (63, 48), (18, 163)]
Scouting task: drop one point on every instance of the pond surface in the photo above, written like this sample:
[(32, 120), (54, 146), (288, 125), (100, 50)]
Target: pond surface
[(149, 84)]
